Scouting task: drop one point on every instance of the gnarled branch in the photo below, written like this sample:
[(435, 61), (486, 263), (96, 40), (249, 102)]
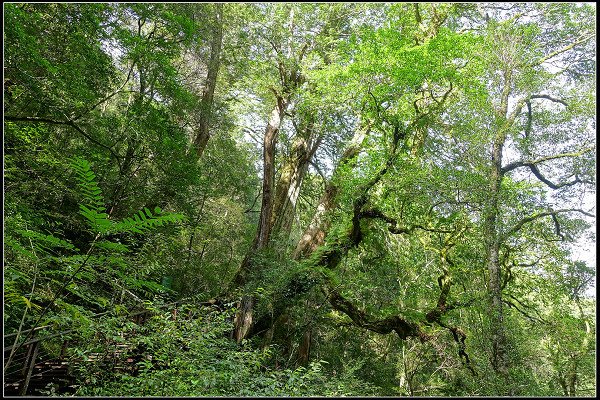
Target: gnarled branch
[(518, 164), (394, 228), (362, 319), (533, 217)]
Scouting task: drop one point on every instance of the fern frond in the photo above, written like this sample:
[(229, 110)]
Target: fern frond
[(93, 210), (143, 221), (45, 243), (112, 247), (92, 206)]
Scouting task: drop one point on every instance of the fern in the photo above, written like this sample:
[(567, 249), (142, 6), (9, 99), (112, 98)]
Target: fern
[(144, 220), (92, 207), (13, 295), (112, 247), (55, 262), (45, 243)]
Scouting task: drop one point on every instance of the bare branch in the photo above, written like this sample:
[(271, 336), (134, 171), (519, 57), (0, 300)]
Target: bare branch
[(534, 169), (526, 100), (518, 164), (529, 120), (545, 96), (562, 50), (249, 209), (533, 217)]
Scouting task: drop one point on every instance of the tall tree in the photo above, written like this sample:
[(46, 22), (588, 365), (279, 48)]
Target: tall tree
[(523, 80), (206, 103)]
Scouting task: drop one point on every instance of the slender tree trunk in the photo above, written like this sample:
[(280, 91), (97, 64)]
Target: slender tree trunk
[(492, 244), (266, 211), (206, 103), (304, 348), (243, 320), (492, 240)]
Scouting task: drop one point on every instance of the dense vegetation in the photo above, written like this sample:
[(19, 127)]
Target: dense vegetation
[(377, 199)]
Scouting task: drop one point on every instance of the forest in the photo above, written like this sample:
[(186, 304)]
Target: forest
[(302, 199)]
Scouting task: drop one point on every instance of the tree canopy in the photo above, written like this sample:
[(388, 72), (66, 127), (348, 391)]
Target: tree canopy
[(345, 198)]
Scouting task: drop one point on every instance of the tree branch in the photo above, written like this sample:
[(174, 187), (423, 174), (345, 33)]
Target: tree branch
[(547, 97), (360, 318), (533, 217), (318, 169), (526, 100), (396, 323), (529, 317), (534, 169), (518, 164), (562, 50), (538, 317), (109, 96), (557, 227), (442, 306), (394, 228), (66, 123)]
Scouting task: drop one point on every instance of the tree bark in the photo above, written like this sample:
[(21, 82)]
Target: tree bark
[(243, 319), (314, 235), (491, 237), (492, 244), (289, 184), (206, 103), (304, 348), (266, 211)]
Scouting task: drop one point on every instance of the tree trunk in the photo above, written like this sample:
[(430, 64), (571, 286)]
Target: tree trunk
[(243, 319), (206, 103), (304, 348), (492, 244), (266, 211), (290, 181), (314, 235), (491, 238)]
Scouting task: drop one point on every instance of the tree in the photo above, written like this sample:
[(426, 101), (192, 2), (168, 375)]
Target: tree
[(392, 194), (524, 80)]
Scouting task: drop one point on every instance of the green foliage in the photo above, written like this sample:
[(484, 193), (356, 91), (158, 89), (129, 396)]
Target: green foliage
[(61, 263), (196, 358), (123, 87), (92, 208)]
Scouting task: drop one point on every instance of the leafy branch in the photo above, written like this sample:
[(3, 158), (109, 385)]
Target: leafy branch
[(533, 217), (518, 164), (70, 123)]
